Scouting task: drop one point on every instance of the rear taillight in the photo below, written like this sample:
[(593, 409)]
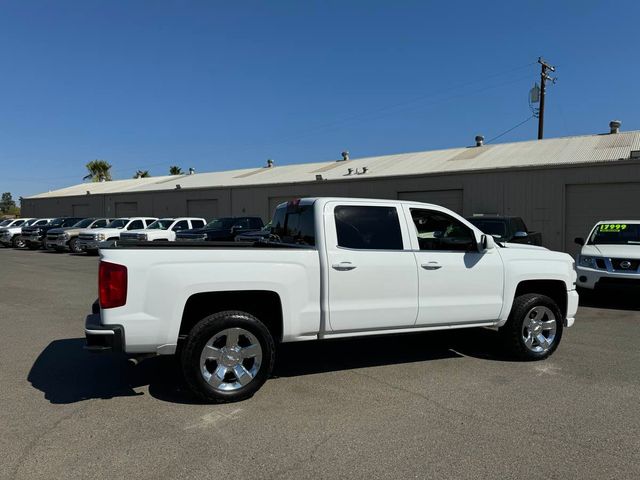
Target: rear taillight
[(112, 285)]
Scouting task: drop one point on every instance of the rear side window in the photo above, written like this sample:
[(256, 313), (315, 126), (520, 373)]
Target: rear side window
[(295, 225), (519, 225), (197, 223), (368, 228)]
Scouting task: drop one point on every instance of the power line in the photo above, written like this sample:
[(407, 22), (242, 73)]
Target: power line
[(510, 130)]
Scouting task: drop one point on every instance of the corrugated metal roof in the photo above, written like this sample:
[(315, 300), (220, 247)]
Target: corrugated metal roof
[(551, 152)]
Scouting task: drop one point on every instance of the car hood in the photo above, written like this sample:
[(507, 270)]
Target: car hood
[(523, 246), (612, 251)]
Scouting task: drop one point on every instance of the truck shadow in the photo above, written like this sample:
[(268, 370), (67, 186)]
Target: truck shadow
[(622, 299), (66, 373)]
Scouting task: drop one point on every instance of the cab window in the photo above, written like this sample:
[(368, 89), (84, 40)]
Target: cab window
[(136, 225), (439, 231), (181, 225), (368, 228)]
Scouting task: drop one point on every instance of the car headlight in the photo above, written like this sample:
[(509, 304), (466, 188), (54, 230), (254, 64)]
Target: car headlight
[(65, 235), (587, 261), (101, 237)]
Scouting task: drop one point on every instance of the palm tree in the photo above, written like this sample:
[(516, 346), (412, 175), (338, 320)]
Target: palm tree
[(142, 174), (99, 171), (175, 170)]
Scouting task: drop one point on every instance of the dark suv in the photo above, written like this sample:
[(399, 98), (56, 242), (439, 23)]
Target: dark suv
[(34, 236), (222, 229)]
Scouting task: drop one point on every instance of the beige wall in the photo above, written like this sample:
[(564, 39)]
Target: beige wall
[(537, 195)]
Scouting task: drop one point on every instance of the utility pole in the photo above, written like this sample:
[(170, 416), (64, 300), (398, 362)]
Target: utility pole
[(545, 67)]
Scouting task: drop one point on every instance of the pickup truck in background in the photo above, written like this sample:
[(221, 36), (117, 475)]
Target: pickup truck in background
[(340, 268), (223, 229), (60, 239), (506, 229), (89, 240), (35, 235), (12, 227), (163, 230)]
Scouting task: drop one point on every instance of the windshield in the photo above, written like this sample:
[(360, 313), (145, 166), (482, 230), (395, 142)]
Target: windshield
[(161, 224), (57, 222), (83, 223), (616, 234), (491, 227), (118, 223), (221, 224)]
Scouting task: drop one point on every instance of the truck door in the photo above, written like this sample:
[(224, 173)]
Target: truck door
[(457, 283), (372, 273)]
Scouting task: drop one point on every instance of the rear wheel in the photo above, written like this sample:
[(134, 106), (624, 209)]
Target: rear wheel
[(534, 328), (227, 357)]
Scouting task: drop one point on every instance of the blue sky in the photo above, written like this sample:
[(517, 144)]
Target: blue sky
[(220, 85)]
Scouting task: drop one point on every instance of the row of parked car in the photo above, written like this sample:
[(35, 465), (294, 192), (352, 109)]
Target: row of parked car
[(80, 235)]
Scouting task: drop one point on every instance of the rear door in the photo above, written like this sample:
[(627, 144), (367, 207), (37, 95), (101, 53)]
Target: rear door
[(372, 275)]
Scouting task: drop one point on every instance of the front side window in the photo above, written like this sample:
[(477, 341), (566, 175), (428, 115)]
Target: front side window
[(439, 231), (136, 225), (118, 223), (83, 223), (368, 228), (161, 224), (100, 223), (181, 225)]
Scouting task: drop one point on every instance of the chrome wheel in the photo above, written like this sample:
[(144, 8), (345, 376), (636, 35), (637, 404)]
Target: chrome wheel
[(539, 329), (231, 359)]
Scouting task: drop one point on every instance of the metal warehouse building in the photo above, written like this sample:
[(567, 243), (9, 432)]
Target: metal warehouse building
[(559, 186)]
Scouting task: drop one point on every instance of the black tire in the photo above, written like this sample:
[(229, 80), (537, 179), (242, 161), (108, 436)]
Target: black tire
[(207, 329), (73, 246), (16, 242), (513, 332)]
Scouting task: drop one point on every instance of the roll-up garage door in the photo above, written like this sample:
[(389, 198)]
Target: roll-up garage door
[(204, 208), (451, 199), (80, 210), (126, 209), (587, 204)]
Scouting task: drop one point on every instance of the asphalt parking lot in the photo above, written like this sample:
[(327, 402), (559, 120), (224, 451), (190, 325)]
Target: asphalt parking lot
[(437, 405)]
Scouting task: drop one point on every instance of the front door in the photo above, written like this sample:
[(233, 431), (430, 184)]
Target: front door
[(457, 283), (372, 278)]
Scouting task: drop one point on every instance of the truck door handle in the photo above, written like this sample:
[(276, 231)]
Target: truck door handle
[(431, 266), (343, 266)]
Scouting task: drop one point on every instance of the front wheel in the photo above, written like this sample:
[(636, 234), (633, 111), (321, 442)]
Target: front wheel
[(227, 357), (534, 328), (73, 246), (17, 242)]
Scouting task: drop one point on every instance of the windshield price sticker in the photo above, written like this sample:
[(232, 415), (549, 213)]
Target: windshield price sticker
[(613, 227)]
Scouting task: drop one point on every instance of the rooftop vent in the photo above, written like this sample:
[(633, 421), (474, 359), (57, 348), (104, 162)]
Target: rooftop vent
[(614, 125), (345, 156), (479, 140), (269, 163), (192, 171)]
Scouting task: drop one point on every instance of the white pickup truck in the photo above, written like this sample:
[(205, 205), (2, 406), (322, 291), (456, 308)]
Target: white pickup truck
[(334, 267), (163, 229)]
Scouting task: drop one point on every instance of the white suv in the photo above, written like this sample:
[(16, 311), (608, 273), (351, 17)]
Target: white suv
[(610, 255), (90, 240), (163, 229)]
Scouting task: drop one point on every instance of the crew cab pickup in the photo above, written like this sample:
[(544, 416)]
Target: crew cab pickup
[(222, 229), (610, 256), (163, 229), (35, 235), (13, 235), (340, 268), (60, 239), (506, 229), (10, 228), (90, 240)]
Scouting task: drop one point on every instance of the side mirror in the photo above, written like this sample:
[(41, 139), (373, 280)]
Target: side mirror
[(487, 242), (520, 235), (579, 241)]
